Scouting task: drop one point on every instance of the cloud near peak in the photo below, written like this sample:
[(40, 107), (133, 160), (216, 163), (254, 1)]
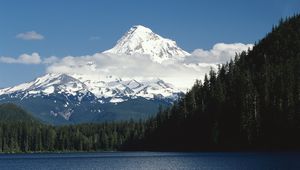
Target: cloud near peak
[(220, 53), (33, 58), (181, 73)]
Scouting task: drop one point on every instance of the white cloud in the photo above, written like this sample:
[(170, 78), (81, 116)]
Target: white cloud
[(220, 53), (181, 73), (50, 60), (31, 35), (34, 58), (124, 66)]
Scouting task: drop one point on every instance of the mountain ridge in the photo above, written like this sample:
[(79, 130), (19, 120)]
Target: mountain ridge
[(65, 99), (101, 88)]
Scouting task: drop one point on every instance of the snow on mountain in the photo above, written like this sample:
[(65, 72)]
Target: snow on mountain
[(141, 40), (100, 86), (110, 86), (47, 84)]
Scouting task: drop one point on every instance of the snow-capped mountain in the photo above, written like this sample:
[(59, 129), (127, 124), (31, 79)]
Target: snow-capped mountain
[(78, 98), (141, 40), (48, 84), (99, 86), (62, 98)]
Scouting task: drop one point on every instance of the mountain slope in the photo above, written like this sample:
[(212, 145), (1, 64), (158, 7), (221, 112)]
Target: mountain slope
[(64, 99), (12, 113), (47, 84), (141, 40)]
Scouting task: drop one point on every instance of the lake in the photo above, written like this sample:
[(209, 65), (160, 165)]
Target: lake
[(150, 160)]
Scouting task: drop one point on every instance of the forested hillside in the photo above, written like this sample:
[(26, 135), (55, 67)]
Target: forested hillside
[(20, 132), (12, 113), (252, 102)]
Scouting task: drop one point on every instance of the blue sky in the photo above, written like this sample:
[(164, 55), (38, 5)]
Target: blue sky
[(82, 27)]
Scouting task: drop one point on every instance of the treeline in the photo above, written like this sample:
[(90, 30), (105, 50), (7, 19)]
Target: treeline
[(36, 137), (250, 103), (20, 132)]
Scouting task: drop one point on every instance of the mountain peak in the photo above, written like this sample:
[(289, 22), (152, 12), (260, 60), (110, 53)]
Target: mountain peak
[(142, 40), (140, 29)]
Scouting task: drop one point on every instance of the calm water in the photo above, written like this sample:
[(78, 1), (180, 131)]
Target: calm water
[(151, 160)]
